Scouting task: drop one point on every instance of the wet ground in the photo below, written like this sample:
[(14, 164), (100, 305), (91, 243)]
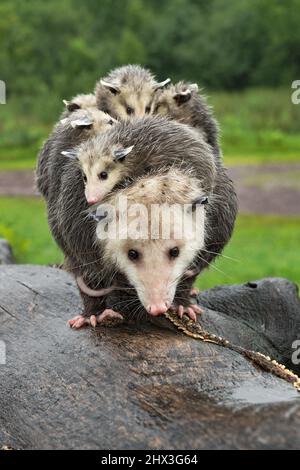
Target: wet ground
[(262, 189)]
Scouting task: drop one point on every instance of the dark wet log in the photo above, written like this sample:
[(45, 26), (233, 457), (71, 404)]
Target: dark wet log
[(143, 386)]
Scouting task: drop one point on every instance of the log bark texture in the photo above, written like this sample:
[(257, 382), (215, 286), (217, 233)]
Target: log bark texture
[(144, 386)]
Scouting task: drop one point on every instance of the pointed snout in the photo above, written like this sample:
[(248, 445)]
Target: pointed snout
[(158, 309)]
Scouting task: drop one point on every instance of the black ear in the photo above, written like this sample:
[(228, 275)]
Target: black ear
[(182, 97), (203, 200), (114, 89), (85, 122), (121, 153), (71, 106), (98, 217)]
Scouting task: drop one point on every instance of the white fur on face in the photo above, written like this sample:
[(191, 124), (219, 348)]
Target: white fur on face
[(140, 103), (155, 275), (95, 187)]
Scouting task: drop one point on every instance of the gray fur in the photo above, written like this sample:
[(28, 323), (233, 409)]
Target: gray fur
[(63, 137), (129, 81), (221, 213), (158, 144), (194, 111), (79, 102)]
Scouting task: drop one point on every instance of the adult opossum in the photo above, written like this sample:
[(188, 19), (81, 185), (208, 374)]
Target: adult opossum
[(152, 265), (157, 228), (127, 92), (183, 103), (79, 126), (156, 143)]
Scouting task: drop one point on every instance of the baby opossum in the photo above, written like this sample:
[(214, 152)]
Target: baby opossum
[(87, 101), (127, 92), (67, 133), (156, 143), (183, 103), (156, 262), (101, 171)]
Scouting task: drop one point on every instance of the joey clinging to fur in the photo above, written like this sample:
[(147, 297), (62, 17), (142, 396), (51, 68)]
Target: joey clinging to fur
[(183, 103), (70, 131), (127, 92)]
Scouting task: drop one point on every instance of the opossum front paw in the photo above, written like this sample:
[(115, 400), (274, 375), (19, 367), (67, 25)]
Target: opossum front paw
[(107, 314), (79, 321), (191, 311)]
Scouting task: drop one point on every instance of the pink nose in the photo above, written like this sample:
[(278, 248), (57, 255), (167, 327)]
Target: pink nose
[(158, 309), (92, 201)]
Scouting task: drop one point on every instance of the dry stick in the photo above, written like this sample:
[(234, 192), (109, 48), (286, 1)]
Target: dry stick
[(196, 331)]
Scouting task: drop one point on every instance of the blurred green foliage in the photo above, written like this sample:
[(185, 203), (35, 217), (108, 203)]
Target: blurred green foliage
[(61, 47), (56, 49)]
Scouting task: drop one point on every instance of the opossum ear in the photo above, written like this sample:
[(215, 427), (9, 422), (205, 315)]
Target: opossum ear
[(83, 122), (71, 106), (182, 97), (194, 87), (114, 89), (201, 201), (121, 153), (161, 85), (70, 154), (98, 217)]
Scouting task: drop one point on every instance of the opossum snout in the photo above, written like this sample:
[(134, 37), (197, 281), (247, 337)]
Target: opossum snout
[(158, 309), (93, 200)]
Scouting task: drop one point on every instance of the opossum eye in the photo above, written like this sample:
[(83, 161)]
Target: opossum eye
[(133, 255), (174, 252), (84, 178), (129, 110), (147, 109), (103, 175), (110, 122)]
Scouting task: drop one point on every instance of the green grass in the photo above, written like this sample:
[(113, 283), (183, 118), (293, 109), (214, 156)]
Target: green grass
[(23, 223), (261, 245)]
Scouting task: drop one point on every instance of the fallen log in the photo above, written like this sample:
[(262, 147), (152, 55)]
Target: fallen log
[(144, 386)]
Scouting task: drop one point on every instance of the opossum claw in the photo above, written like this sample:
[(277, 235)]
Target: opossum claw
[(77, 322), (191, 311), (108, 314)]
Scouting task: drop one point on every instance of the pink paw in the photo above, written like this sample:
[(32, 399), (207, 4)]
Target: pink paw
[(191, 311), (79, 321)]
